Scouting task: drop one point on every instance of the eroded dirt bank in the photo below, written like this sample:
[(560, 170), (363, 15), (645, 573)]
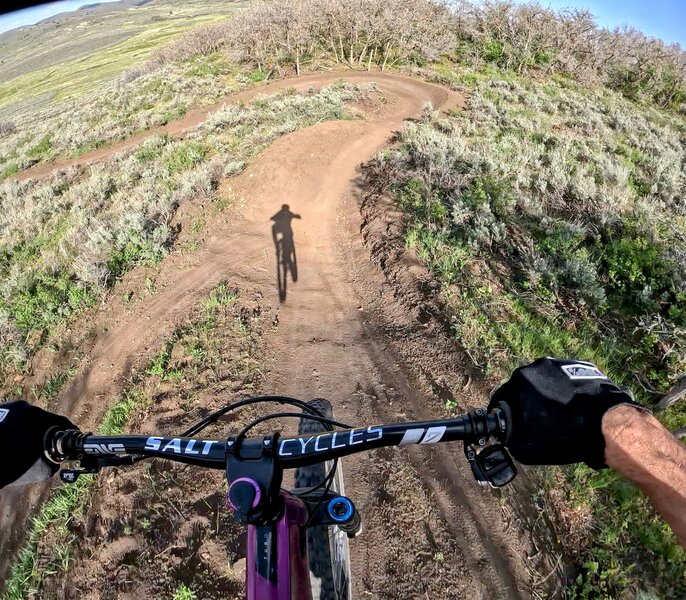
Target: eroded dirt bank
[(430, 532)]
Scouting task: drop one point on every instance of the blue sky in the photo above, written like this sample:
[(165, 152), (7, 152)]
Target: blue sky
[(665, 19), (28, 16)]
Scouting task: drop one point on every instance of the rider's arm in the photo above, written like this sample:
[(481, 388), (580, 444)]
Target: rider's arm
[(640, 449), (562, 412)]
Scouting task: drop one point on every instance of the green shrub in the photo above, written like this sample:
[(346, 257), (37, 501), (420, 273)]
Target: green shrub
[(184, 593), (638, 274), (257, 75), (136, 251), (41, 149), (48, 299), (184, 156), (493, 51)]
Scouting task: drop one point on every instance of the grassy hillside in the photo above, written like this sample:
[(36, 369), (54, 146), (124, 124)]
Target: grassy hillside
[(551, 210), (561, 209), (552, 216), (80, 37)]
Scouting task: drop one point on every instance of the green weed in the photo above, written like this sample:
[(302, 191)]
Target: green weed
[(198, 225), (118, 415), (220, 296), (66, 504), (53, 384), (184, 593), (160, 363)]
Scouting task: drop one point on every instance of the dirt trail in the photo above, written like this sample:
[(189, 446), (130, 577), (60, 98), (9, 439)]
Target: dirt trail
[(196, 116), (327, 344)]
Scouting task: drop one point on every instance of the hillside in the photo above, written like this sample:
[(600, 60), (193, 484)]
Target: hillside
[(516, 199), (130, 26)]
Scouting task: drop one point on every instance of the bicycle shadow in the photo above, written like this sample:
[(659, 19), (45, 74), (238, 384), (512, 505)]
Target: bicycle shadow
[(286, 260)]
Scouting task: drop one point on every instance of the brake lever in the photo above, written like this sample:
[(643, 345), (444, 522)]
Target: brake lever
[(92, 466)]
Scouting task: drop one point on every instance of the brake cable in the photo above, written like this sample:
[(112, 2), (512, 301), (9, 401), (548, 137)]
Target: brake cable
[(323, 420), (314, 414), (213, 417)]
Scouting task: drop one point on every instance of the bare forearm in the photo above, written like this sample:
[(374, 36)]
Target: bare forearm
[(640, 449)]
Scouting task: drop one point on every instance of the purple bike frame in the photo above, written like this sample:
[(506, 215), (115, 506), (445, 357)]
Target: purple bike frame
[(277, 567)]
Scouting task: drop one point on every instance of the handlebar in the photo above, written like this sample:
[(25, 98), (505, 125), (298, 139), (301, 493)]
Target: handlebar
[(474, 427)]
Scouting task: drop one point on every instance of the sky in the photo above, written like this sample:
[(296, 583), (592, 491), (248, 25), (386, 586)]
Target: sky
[(665, 19), (32, 15)]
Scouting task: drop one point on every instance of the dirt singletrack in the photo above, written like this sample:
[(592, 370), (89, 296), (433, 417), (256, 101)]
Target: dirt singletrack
[(196, 116), (329, 343)]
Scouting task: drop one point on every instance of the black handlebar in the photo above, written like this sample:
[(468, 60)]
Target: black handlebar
[(476, 427)]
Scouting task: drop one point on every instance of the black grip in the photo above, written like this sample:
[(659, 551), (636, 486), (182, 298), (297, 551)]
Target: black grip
[(63, 444)]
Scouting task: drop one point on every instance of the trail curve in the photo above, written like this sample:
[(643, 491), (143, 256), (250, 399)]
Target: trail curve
[(325, 346)]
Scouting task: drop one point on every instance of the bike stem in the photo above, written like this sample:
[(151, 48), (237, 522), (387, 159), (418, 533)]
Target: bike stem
[(254, 481)]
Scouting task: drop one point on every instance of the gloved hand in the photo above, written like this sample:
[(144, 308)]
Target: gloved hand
[(554, 410), (22, 428)]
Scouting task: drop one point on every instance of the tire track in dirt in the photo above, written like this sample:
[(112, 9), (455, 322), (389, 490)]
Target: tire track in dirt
[(324, 346)]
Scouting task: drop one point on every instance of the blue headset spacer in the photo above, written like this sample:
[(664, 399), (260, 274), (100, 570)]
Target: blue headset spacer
[(349, 509)]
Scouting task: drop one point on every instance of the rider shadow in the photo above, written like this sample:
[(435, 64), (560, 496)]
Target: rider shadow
[(286, 261)]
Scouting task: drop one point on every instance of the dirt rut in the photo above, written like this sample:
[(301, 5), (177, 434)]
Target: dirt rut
[(326, 345)]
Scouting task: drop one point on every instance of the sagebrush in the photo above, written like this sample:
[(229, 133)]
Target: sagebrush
[(554, 218)]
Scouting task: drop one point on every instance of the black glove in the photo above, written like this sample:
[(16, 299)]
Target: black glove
[(554, 410), (22, 428)]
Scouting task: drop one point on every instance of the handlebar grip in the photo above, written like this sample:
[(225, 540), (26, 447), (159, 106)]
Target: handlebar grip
[(63, 444)]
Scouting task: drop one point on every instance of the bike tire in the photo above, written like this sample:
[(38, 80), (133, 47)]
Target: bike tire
[(327, 547)]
